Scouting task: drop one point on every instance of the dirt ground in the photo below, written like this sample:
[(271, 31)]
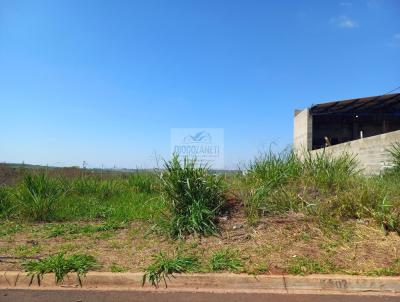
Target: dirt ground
[(274, 245)]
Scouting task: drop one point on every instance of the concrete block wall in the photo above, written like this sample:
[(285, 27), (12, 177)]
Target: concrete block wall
[(371, 152), (302, 131)]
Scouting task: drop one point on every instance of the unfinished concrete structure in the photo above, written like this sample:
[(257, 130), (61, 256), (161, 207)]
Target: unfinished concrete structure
[(364, 127)]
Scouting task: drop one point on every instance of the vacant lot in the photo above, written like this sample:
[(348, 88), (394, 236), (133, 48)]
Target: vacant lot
[(281, 214)]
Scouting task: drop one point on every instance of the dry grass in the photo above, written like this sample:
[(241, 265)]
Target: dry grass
[(273, 246)]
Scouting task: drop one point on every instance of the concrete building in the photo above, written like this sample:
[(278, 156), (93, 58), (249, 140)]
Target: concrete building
[(364, 127)]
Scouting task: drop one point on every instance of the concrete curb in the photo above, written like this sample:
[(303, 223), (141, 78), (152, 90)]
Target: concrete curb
[(340, 284)]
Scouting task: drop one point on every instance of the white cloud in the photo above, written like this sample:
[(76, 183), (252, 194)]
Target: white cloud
[(345, 22)]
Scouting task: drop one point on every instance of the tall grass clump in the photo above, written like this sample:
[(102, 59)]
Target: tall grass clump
[(143, 182), (394, 152), (85, 185), (330, 188), (289, 181), (108, 188), (39, 196), (387, 214), (193, 197), (327, 171), (275, 168), (6, 204), (94, 186), (266, 174)]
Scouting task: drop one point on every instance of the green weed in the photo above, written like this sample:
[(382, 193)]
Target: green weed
[(24, 250), (116, 268), (226, 260), (392, 270), (71, 229), (9, 227), (260, 268), (60, 265), (302, 265), (163, 267)]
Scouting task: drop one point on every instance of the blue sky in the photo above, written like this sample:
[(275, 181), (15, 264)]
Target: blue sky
[(105, 81)]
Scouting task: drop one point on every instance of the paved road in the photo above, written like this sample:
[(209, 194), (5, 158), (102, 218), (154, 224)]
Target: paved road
[(76, 295)]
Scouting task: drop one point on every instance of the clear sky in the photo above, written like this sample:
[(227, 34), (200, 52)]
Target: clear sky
[(105, 81)]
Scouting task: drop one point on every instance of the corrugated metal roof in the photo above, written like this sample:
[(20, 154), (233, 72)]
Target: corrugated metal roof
[(380, 103)]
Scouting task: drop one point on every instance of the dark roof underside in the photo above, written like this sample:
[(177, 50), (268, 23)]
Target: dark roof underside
[(381, 103)]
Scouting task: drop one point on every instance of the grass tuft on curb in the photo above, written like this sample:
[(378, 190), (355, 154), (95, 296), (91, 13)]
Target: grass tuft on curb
[(60, 265), (163, 267)]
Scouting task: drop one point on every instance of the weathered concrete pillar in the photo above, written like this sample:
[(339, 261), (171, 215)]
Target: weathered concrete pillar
[(302, 132)]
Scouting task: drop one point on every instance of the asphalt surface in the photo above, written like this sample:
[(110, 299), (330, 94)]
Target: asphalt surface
[(78, 295)]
